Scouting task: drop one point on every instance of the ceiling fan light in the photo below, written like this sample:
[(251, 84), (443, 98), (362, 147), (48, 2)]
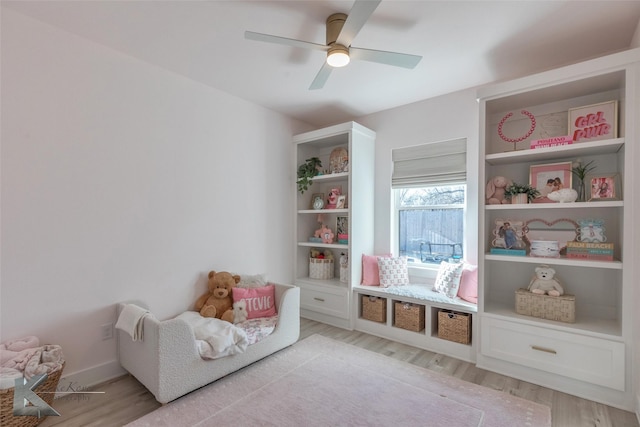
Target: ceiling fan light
[(338, 56)]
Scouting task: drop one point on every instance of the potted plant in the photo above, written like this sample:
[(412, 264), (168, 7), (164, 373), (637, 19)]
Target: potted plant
[(306, 172), (581, 171), (521, 193)]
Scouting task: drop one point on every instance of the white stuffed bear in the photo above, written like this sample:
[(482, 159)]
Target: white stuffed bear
[(544, 282), (239, 311)]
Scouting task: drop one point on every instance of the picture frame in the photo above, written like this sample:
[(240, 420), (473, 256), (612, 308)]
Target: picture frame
[(314, 196), (550, 177), (342, 229), (509, 234), (604, 187), (594, 122), (342, 201)]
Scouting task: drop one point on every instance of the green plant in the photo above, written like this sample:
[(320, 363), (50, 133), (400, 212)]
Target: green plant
[(306, 172), (527, 189), (580, 170)]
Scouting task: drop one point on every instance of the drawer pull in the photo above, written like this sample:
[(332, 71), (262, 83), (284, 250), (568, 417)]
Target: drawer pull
[(318, 299), (546, 350)]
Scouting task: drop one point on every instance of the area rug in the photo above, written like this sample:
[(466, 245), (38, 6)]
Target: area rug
[(322, 382)]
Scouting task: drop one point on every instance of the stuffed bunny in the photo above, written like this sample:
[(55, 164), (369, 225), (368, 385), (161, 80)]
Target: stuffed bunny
[(495, 190)]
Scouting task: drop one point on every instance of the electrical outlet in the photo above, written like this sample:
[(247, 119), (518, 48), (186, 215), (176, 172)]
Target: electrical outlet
[(107, 331)]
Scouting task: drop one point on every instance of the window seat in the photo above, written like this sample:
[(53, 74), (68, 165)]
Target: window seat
[(419, 294)]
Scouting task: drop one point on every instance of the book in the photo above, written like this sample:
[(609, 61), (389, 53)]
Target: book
[(503, 251), (590, 251), (585, 245), (555, 141), (591, 257)]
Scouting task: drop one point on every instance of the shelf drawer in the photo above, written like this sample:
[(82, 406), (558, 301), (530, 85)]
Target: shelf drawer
[(326, 302), (594, 360)]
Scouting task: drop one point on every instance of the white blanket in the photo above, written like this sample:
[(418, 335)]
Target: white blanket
[(215, 338), (131, 320)]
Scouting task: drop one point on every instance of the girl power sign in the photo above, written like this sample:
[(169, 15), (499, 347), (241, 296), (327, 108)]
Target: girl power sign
[(594, 122)]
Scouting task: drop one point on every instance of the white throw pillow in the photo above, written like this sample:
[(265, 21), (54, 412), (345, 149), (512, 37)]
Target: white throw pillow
[(393, 271), (448, 278), (252, 280)]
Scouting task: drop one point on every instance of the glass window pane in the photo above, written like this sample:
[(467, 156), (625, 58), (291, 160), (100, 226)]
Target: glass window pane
[(431, 223)]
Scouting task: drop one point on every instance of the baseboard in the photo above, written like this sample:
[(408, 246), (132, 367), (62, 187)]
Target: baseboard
[(82, 380)]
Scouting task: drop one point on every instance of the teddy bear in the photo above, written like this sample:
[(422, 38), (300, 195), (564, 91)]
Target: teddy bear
[(545, 282), (239, 311), (218, 301), (495, 190)]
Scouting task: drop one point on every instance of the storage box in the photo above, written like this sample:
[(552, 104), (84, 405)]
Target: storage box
[(320, 268), (409, 316), (374, 308), (562, 308), (454, 326)]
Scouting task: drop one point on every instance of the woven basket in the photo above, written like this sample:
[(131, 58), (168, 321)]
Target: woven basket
[(409, 316), (320, 268), (454, 326), (7, 419), (374, 308), (562, 308)]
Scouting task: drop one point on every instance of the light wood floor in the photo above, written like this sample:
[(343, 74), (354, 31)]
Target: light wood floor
[(125, 399)]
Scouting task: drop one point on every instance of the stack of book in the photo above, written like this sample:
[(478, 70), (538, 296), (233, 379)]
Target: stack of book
[(590, 251)]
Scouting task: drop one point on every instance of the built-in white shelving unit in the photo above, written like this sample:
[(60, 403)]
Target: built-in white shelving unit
[(329, 301), (591, 358)]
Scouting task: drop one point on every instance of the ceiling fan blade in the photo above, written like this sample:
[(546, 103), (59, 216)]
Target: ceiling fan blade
[(396, 59), (250, 35), (321, 77), (358, 15)]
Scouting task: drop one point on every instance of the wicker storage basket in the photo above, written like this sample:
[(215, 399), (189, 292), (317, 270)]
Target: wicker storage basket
[(454, 326), (7, 419), (562, 308), (320, 268), (374, 308), (409, 316)]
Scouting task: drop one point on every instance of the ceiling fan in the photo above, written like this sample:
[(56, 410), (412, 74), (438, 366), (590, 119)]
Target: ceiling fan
[(341, 30)]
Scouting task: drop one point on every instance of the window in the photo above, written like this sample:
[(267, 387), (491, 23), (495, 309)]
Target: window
[(429, 182), (431, 222)]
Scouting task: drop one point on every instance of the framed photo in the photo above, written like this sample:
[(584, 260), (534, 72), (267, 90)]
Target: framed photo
[(315, 204), (604, 187), (342, 229), (342, 202), (594, 122), (508, 234), (550, 177)]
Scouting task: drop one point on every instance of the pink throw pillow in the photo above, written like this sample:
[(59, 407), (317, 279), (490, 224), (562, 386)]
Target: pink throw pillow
[(468, 289), (261, 302), (370, 274)]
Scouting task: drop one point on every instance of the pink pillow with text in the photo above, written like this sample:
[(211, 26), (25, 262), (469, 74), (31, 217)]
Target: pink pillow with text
[(370, 274), (261, 302)]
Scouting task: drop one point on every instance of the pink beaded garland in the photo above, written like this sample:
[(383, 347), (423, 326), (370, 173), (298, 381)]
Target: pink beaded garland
[(522, 138)]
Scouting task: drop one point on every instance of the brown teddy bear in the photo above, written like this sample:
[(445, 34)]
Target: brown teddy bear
[(218, 302)]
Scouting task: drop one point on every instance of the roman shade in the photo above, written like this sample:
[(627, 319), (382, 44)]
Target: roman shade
[(433, 163)]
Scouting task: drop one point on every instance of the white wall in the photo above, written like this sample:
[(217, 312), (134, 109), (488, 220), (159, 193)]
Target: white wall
[(443, 118), (121, 180)]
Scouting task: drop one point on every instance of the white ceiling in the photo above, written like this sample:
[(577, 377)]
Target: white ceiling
[(463, 44)]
